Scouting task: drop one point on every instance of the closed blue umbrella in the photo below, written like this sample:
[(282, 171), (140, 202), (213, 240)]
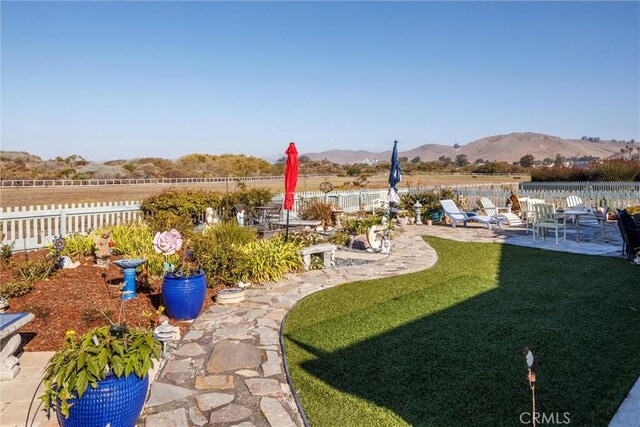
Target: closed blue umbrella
[(395, 175)]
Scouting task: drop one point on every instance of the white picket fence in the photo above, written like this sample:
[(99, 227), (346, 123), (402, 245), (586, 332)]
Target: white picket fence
[(28, 228), (582, 186)]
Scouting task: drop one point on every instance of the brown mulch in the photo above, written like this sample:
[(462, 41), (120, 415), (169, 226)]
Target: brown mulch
[(81, 299)]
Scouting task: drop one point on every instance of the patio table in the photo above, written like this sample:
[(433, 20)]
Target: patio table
[(579, 213)]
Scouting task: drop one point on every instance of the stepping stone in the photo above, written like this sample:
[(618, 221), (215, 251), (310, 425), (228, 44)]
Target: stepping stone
[(193, 335), (229, 414), (191, 349), (244, 424), (268, 336), (263, 387), (214, 382), (209, 401), (226, 332), (177, 366), (275, 413), (175, 418), (162, 393), (197, 417), (272, 365), (228, 356)]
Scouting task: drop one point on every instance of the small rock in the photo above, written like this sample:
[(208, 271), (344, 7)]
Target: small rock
[(214, 382), (162, 393), (242, 424), (193, 335), (209, 401), (229, 414)]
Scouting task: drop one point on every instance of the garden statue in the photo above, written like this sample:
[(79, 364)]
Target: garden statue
[(66, 263), (240, 218), (210, 217), (103, 242)]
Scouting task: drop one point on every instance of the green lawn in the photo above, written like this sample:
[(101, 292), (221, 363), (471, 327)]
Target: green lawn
[(443, 346)]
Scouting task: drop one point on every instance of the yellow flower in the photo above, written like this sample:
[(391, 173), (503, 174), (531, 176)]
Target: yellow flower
[(160, 309), (70, 333)]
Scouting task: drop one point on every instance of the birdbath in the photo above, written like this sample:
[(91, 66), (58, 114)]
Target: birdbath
[(129, 268)]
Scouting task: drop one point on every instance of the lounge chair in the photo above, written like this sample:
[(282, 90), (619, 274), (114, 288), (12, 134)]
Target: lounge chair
[(574, 201), (631, 233), (494, 211), (456, 215), (545, 218)]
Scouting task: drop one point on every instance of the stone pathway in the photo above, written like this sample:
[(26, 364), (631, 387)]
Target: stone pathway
[(228, 368)]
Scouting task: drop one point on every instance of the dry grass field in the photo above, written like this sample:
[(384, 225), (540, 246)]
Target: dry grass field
[(26, 196)]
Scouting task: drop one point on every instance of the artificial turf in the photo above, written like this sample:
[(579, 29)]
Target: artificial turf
[(442, 347)]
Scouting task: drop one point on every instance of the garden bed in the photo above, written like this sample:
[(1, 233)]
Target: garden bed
[(79, 299)]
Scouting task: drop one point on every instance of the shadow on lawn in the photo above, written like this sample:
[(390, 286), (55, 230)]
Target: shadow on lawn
[(463, 365)]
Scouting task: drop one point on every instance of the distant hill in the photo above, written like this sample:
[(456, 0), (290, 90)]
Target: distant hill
[(509, 148)]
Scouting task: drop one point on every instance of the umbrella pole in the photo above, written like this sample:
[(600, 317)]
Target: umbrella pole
[(286, 232)]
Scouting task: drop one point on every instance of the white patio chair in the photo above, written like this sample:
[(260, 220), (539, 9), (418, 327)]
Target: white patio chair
[(574, 201), (530, 217), (545, 218), (456, 215), (492, 210)]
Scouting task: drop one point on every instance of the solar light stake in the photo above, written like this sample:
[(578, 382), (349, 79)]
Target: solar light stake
[(531, 376)]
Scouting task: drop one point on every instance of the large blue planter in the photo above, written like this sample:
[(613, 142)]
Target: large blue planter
[(116, 402), (183, 296)]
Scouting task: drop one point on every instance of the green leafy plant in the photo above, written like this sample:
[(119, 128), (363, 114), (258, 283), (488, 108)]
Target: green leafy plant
[(340, 238), (136, 241), (33, 271), (6, 250), (82, 362), (79, 245), (361, 225), (168, 220), (430, 200), (217, 252), (15, 288), (268, 260)]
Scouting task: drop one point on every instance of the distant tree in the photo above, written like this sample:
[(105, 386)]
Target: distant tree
[(129, 167), (403, 159), (547, 161), (456, 145), (282, 159), (633, 141), (461, 160), (527, 160), (446, 160), (479, 161), (354, 170), (559, 160), (304, 159), (416, 159)]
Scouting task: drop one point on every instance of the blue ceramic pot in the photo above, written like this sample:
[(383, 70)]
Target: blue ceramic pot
[(116, 402), (183, 296)]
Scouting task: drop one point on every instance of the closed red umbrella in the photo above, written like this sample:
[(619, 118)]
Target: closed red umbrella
[(290, 181)]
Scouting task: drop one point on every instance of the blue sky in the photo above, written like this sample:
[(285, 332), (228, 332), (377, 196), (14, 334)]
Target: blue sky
[(128, 79)]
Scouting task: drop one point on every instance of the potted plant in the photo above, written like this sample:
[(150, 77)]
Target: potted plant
[(184, 289), (102, 377)]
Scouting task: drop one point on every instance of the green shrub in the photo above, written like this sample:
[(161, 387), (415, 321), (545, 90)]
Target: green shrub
[(6, 251), (16, 288), (361, 225), (340, 238), (192, 204), (79, 245), (430, 200), (306, 238), (217, 252), (32, 271), (268, 260), (136, 241), (610, 170), (167, 220), (318, 210)]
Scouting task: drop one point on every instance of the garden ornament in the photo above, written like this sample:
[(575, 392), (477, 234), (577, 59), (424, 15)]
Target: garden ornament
[(4, 304), (103, 242), (531, 376), (66, 263), (167, 243)]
